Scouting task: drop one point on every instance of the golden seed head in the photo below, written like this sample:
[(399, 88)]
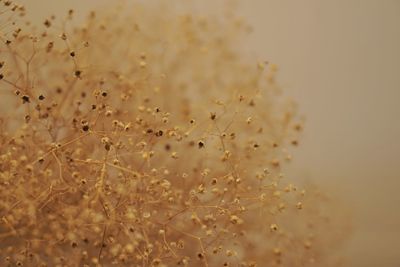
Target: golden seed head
[(108, 149)]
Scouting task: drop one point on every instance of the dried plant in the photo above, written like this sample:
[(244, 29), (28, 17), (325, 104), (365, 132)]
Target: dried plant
[(145, 138)]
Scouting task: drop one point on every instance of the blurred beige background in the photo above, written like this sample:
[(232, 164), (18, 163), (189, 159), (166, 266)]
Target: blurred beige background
[(340, 60)]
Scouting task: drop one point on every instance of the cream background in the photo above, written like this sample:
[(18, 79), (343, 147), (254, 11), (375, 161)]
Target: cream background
[(340, 61)]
